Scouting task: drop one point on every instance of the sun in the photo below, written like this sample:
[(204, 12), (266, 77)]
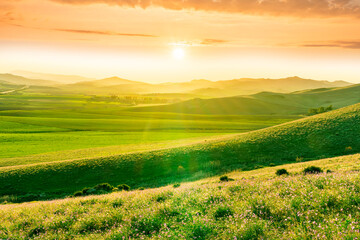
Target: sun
[(178, 53)]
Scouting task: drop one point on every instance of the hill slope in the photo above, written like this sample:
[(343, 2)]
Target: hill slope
[(256, 205), (265, 102), (17, 80), (330, 134)]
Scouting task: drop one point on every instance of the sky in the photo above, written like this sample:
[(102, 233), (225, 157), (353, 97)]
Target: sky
[(180, 40)]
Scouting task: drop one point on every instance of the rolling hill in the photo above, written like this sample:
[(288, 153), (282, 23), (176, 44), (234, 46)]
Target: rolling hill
[(205, 88), (54, 77), (324, 135), (17, 80), (265, 102), (255, 205)]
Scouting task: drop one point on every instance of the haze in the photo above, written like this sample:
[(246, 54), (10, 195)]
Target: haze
[(170, 41)]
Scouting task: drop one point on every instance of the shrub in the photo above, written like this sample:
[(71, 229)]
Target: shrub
[(104, 186), (299, 159), (312, 170), (78, 194), (222, 212), (282, 171), (141, 188), (224, 179), (176, 185), (272, 164), (123, 187), (85, 191)]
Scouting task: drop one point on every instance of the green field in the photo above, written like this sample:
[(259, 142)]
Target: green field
[(255, 205), (38, 129), (325, 135)]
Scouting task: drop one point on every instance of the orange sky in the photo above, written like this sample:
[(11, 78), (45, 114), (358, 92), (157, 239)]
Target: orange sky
[(221, 39)]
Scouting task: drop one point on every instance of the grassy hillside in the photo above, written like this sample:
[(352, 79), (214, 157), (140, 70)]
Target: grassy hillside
[(265, 102), (256, 205), (330, 134), (43, 128)]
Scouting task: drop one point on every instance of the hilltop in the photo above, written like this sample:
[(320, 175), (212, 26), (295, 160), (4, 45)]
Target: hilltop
[(325, 135)]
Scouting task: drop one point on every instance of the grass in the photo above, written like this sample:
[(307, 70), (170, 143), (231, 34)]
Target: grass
[(265, 102), (256, 205), (324, 135), (46, 128)]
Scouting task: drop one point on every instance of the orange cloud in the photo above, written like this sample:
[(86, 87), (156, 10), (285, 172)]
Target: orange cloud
[(305, 8), (337, 44), (104, 33), (212, 41)]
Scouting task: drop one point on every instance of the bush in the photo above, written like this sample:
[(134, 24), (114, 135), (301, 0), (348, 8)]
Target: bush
[(104, 186), (85, 191), (282, 171), (224, 179), (272, 164), (141, 188), (78, 194), (312, 170), (176, 185), (123, 187), (222, 212)]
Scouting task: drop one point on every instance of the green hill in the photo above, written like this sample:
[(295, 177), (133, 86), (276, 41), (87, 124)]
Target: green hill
[(255, 205), (265, 102), (330, 134), (18, 80)]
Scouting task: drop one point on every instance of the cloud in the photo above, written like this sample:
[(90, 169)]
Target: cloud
[(335, 44), (212, 41), (104, 33), (304, 8), (199, 42)]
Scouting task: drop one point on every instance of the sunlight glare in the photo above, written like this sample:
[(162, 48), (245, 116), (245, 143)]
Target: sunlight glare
[(178, 53)]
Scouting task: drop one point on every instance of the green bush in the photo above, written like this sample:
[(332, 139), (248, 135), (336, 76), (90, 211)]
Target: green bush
[(123, 187), (104, 187), (78, 194), (312, 170), (282, 171), (224, 179), (176, 185)]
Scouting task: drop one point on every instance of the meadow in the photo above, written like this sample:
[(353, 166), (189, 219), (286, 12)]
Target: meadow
[(255, 204), (325, 135)]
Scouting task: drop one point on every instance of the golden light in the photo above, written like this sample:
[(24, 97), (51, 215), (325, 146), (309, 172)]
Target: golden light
[(178, 53)]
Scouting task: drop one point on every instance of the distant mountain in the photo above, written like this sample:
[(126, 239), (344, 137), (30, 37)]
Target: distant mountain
[(52, 77), (108, 82), (265, 103), (202, 87), (17, 80)]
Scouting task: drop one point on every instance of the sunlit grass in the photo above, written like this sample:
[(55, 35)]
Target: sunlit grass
[(256, 205)]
